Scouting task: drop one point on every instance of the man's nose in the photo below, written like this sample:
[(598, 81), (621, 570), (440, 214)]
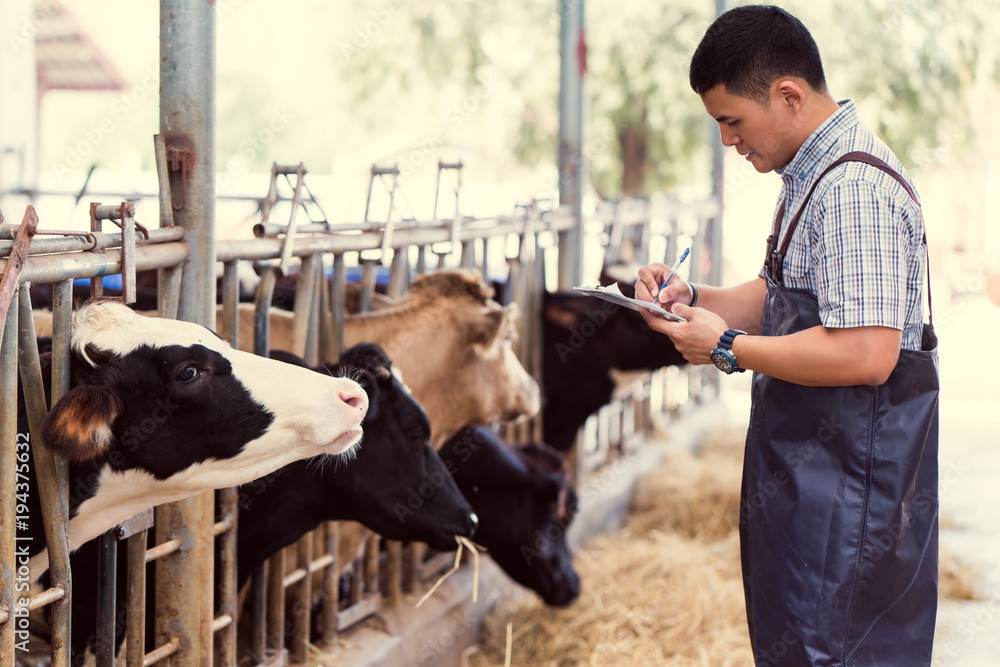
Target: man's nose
[(729, 138)]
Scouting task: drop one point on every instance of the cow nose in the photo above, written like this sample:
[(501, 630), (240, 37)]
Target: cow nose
[(355, 397)]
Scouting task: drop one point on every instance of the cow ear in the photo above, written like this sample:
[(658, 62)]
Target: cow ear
[(78, 427), (488, 326)]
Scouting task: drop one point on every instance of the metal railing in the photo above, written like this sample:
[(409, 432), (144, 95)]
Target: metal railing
[(322, 254)]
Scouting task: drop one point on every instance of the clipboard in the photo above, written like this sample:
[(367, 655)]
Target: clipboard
[(613, 294)]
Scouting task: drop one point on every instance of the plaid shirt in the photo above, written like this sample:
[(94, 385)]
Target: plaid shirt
[(858, 246)]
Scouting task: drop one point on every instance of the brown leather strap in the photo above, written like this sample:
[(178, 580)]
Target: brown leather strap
[(775, 257)]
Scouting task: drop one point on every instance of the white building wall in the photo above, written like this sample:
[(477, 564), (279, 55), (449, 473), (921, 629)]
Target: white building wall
[(19, 24)]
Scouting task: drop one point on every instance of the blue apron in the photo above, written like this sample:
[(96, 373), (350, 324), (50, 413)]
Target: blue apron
[(838, 520)]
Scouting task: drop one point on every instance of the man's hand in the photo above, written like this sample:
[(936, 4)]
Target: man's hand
[(695, 338), (648, 286)]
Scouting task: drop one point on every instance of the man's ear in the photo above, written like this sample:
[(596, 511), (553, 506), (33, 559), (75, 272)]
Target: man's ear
[(788, 93), (78, 427)]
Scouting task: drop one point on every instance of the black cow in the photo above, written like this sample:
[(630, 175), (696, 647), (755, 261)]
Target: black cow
[(525, 504), (583, 338), (376, 489)]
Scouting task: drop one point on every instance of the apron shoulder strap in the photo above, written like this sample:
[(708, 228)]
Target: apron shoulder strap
[(775, 256)]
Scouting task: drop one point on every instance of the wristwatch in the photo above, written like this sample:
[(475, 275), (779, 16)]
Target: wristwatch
[(722, 355)]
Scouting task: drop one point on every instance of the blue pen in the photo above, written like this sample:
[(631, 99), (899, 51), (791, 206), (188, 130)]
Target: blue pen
[(673, 272)]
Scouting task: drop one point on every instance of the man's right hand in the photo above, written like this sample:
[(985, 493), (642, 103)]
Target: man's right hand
[(650, 279)]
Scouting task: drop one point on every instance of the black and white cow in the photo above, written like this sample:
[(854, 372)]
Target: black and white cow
[(525, 504), (378, 487), (160, 410)]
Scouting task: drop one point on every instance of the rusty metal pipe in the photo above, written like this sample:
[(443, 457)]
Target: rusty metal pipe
[(46, 245), (55, 268), (51, 478), (8, 465)]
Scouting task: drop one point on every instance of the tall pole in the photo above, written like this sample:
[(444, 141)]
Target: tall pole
[(572, 169), (187, 124), (718, 187)]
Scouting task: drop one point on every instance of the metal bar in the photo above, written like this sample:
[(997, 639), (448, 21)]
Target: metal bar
[(338, 297), (269, 248), (369, 278), (54, 268), (371, 564), (107, 578), (304, 292), (258, 619), (394, 582), (572, 165), (225, 642), (46, 597), (230, 304), (128, 253), (276, 601), (50, 477), (220, 623), (399, 273), (172, 646), (10, 443), (331, 585), (135, 594), (164, 548), (96, 284), (270, 229), (301, 599), (262, 311), (47, 245), (163, 177), (9, 277), (168, 291), (289, 240)]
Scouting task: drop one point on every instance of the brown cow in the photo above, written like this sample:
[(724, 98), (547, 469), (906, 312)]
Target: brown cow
[(452, 343)]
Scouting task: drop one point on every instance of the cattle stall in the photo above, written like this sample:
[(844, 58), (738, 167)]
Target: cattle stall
[(319, 256)]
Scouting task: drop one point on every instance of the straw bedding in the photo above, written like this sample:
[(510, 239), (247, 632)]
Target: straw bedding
[(665, 591)]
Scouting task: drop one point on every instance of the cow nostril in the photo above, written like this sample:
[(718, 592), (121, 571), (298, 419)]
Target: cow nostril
[(354, 398)]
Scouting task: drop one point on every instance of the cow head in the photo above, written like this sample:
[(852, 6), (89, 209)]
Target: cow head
[(163, 409), (525, 504), (397, 484)]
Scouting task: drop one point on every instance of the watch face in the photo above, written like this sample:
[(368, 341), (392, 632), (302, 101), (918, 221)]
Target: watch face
[(723, 360)]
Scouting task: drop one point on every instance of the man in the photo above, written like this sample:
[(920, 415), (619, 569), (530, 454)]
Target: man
[(838, 523)]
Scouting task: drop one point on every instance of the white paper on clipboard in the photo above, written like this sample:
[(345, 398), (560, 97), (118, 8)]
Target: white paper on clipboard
[(613, 294)]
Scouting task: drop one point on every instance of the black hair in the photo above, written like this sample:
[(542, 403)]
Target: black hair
[(748, 48)]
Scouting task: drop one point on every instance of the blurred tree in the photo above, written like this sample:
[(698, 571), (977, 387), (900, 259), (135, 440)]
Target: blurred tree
[(910, 64)]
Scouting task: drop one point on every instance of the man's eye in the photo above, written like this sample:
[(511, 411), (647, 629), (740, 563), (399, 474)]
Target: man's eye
[(733, 123)]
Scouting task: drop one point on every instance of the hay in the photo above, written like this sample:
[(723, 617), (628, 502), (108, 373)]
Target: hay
[(666, 590), (696, 497), (655, 600), (956, 579)]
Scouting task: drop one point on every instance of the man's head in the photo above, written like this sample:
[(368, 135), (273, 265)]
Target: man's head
[(759, 74)]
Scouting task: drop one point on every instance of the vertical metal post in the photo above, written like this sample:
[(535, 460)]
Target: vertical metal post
[(107, 578), (573, 67), (8, 464), (718, 188), (187, 124)]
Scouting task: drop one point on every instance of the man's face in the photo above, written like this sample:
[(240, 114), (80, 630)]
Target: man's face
[(759, 134)]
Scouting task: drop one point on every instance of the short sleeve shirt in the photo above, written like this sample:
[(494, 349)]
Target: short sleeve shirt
[(859, 243)]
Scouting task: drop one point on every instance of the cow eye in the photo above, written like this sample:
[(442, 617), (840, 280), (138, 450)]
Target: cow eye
[(188, 374)]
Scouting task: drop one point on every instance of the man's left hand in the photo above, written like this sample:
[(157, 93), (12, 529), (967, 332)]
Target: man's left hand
[(695, 338)]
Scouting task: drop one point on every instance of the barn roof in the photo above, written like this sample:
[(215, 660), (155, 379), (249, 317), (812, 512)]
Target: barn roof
[(67, 59)]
